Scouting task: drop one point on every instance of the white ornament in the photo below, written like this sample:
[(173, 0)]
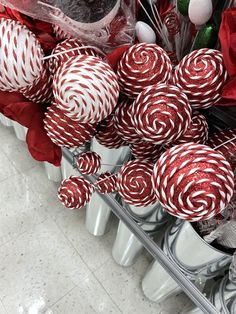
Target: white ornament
[(145, 33), (200, 11)]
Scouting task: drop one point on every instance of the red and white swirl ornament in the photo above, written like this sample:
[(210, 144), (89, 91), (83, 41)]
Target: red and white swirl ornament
[(65, 132), (21, 56), (88, 163), (107, 135), (134, 183), (107, 183), (161, 114), (193, 181), (146, 150), (141, 66), (201, 75), (63, 52), (75, 192), (86, 89)]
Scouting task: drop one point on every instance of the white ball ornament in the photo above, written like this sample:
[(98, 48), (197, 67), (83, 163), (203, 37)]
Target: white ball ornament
[(200, 11), (145, 33), (21, 56)]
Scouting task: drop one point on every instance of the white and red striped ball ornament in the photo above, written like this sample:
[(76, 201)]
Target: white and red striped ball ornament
[(107, 183), (63, 52), (123, 122), (21, 56), (65, 132), (161, 114), (86, 89), (75, 192), (146, 150), (143, 65), (88, 163), (107, 135), (41, 90), (60, 33), (201, 75), (193, 181), (226, 140), (134, 183), (197, 131)]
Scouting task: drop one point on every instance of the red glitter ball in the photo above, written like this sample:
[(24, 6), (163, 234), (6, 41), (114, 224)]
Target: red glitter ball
[(88, 163), (106, 183)]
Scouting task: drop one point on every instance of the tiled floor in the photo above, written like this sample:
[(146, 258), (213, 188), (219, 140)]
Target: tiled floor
[(49, 263)]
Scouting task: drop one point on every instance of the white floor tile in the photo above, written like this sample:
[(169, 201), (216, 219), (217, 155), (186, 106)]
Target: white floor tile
[(38, 269), (20, 207), (2, 309), (87, 298), (6, 167)]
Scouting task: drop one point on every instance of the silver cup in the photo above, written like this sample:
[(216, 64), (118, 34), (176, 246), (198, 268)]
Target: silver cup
[(193, 255), (127, 247), (98, 213), (53, 172), (5, 121), (20, 131)]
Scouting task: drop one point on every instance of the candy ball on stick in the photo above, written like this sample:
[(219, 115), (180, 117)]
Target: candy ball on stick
[(21, 56), (107, 135), (161, 114), (123, 122), (146, 150), (86, 89), (88, 163), (193, 181), (141, 66), (65, 132), (134, 183), (41, 90), (201, 75), (197, 131), (63, 52), (106, 183), (75, 192), (60, 33)]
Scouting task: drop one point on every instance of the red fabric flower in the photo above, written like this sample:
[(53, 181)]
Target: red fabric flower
[(227, 35)]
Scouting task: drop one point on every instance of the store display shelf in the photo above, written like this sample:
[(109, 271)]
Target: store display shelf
[(171, 267)]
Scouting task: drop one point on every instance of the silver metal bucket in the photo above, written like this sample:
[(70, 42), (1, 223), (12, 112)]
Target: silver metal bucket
[(20, 131), (193, 255), (5, 121), (53, 172)]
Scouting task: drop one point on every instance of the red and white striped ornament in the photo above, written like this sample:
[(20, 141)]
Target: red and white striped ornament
[(201, 75), (60, 33), (106, 183), (21, 56), (75, 192), (134, 183), (106, 134), (86, 89), (65, 132), (161, 114), (123, 122), (197, 131), (226, 140), (63, 52), (193, 181), (141, 66), (88, 163), (146, 150), (41, 90)]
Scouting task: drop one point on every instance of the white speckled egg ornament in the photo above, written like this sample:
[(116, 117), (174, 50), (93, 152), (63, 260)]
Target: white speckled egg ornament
[(86, 89), (145, 33), (200, 11), (21, 56)]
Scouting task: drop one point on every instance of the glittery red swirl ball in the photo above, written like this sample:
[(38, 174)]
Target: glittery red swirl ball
[(161, 114), (228, 149), (193, 181), (88, 163), (66, 132), (106, 183), (146, 150), (62, 52), (201, 75), (41, 90), (197, 131), (107, 135), (75, 192), (123, 122), (60, 33), (141, 66), (134, 183)]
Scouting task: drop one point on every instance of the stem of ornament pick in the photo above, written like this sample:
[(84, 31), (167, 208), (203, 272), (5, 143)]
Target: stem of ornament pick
[(74, 49), (96, 183), (150, 19), (229, 141)]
